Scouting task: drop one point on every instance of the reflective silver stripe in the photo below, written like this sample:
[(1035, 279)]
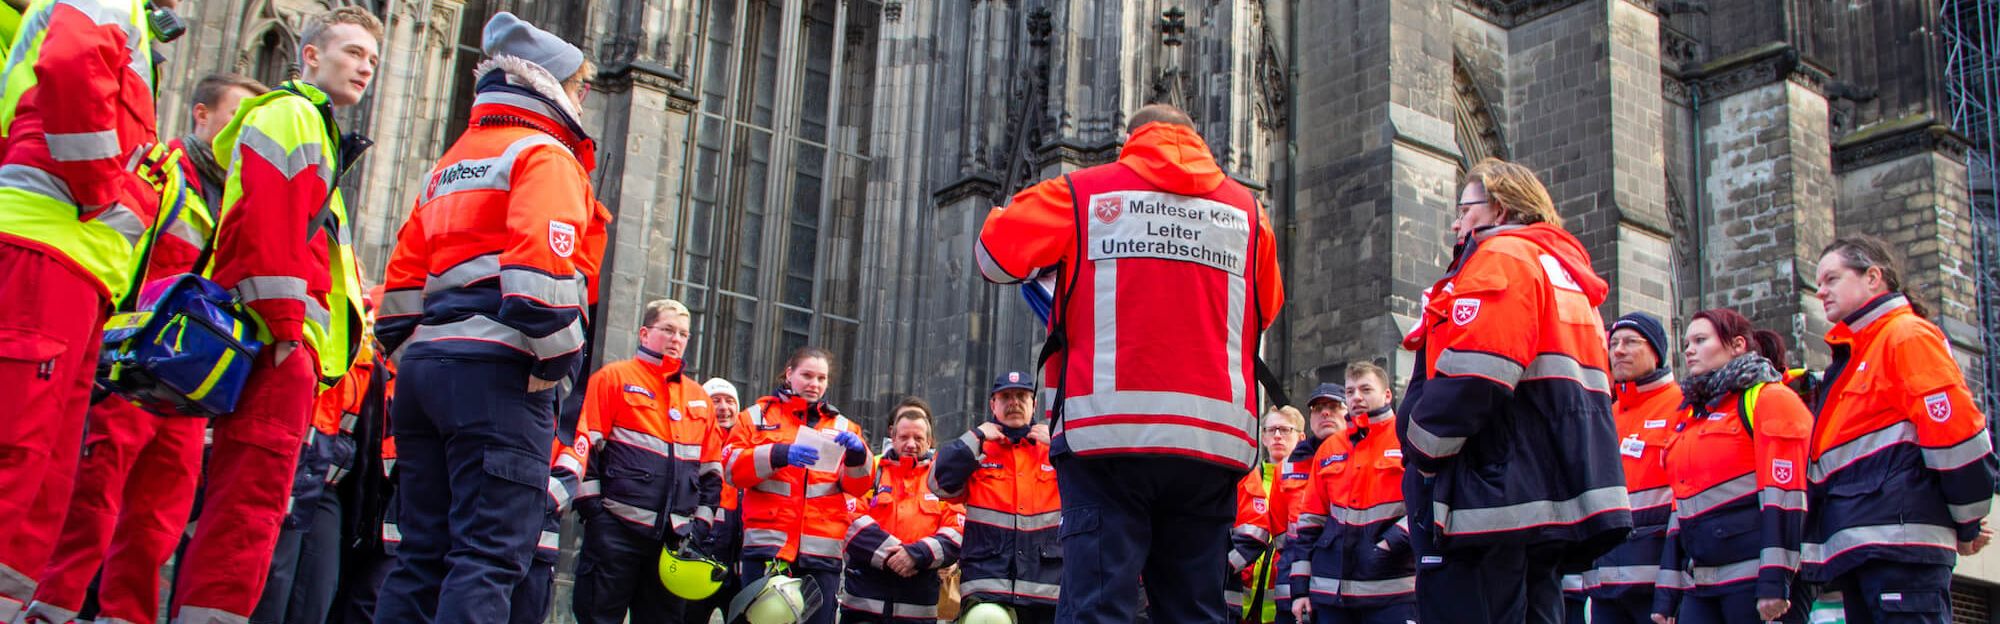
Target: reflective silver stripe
[(1717, 495), (388, 465), (1553, 366), (205, 615), (859, 471), (714, 468), (1839, 457), (687, 452), (571, 463), (1431, 444), (1458, 363), (1704, 576), (182, 229), (1283, 591), (1958, 455), (36, 181), (1781, 498), (860, 523), (1674, 579), (347, 421), (1309, 520), (779, 488), (640, 516), (1236, 560), (253, 289), (952, 535), (82, 146), (990, 269), (1882, 534), (1779, 558), (907, 610), (1622, 575), (1159, 436), (16, 585), (485, 329), (551, 540), (761, 463), (484, 174), (1653, 497), (880, 558), (1371, 515), (560, 292), (589, 488), (391, 532), (643, 441), (1364, 589), (677, 521), (396, 303), (1531, 513), (819, 546), (559, 492), (1254, 532), (1021, 522), (471, 270), (932, 547), (858, 603), (1049, 591), (1104, 348), (335, 474), (1233, 597), (763, 537), (1302, 568), (1971, 512), (819, 490), (1572, 582), (288, 162), (123, 221), (707, 514)]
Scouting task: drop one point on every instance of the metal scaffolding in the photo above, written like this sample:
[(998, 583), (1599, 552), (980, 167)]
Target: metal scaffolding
[(1971, 38)]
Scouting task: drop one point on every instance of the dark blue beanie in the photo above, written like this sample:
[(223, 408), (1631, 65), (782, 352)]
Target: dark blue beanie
[(1648, 328)]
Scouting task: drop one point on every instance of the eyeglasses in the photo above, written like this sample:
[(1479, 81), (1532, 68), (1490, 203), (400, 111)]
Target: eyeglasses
[(1632, 343), (1281, 430), (1474, 203)]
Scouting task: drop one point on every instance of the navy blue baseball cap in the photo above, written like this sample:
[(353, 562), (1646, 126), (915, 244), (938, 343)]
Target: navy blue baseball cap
[(1328, 391), (1012, 380)]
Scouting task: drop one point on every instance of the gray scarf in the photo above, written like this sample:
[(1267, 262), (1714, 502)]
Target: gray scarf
[(1738, 375)]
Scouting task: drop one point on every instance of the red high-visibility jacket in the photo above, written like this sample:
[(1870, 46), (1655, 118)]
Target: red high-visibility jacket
[(792, 513), (1646, 411), (1739, 498), (1351, 545), (1902, 469), (1160, 311)]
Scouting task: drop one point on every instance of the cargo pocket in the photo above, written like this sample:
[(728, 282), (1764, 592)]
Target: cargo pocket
[(510, 466), (28, 361), (1912, 605), (1082, 523)]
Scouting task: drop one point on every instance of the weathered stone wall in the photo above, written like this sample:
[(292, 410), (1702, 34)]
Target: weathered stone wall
[(1919, 205)]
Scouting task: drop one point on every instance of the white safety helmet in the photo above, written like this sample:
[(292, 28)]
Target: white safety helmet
[(987, 613), (775, 599)]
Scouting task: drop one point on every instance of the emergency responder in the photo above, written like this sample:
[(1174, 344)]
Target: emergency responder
[(486, 293), (907, 534), (534, 597), (724, 541), (1646, 403), (1168, 277), (1264, 500), (135, 484), (1508, 434), (1902, 470), (282, 247), (1328, 411), (1000, 471), (1731, 557), (305, 569), (655, 477), (1351, 543), (75, 217), (794, 516)]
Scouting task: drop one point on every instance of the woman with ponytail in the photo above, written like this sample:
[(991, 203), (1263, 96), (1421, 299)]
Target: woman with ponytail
[(1737, 468), (1902, 469)]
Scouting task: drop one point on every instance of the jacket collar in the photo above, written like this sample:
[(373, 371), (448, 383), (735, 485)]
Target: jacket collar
[(1882, 307), (658, 363), (1660, 379)]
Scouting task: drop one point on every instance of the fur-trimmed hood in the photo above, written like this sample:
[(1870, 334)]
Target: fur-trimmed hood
[(527, 75)]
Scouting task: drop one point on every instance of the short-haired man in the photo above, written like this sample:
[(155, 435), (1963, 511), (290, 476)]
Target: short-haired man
[(650, 425), (1351, 542), (1326, 420), (1266, 505), (904, 534), (1000, 470), (1646, 402), (136, 484), (282, 247)]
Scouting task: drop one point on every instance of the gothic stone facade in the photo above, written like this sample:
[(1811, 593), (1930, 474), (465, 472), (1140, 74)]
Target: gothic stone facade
[(815, 171)]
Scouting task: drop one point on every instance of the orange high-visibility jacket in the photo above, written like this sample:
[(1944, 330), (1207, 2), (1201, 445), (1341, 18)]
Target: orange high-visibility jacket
[(792, 513)]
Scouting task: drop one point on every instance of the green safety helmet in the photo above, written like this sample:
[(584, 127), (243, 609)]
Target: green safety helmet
[(775, 599), (690, 575), (987, 613)]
